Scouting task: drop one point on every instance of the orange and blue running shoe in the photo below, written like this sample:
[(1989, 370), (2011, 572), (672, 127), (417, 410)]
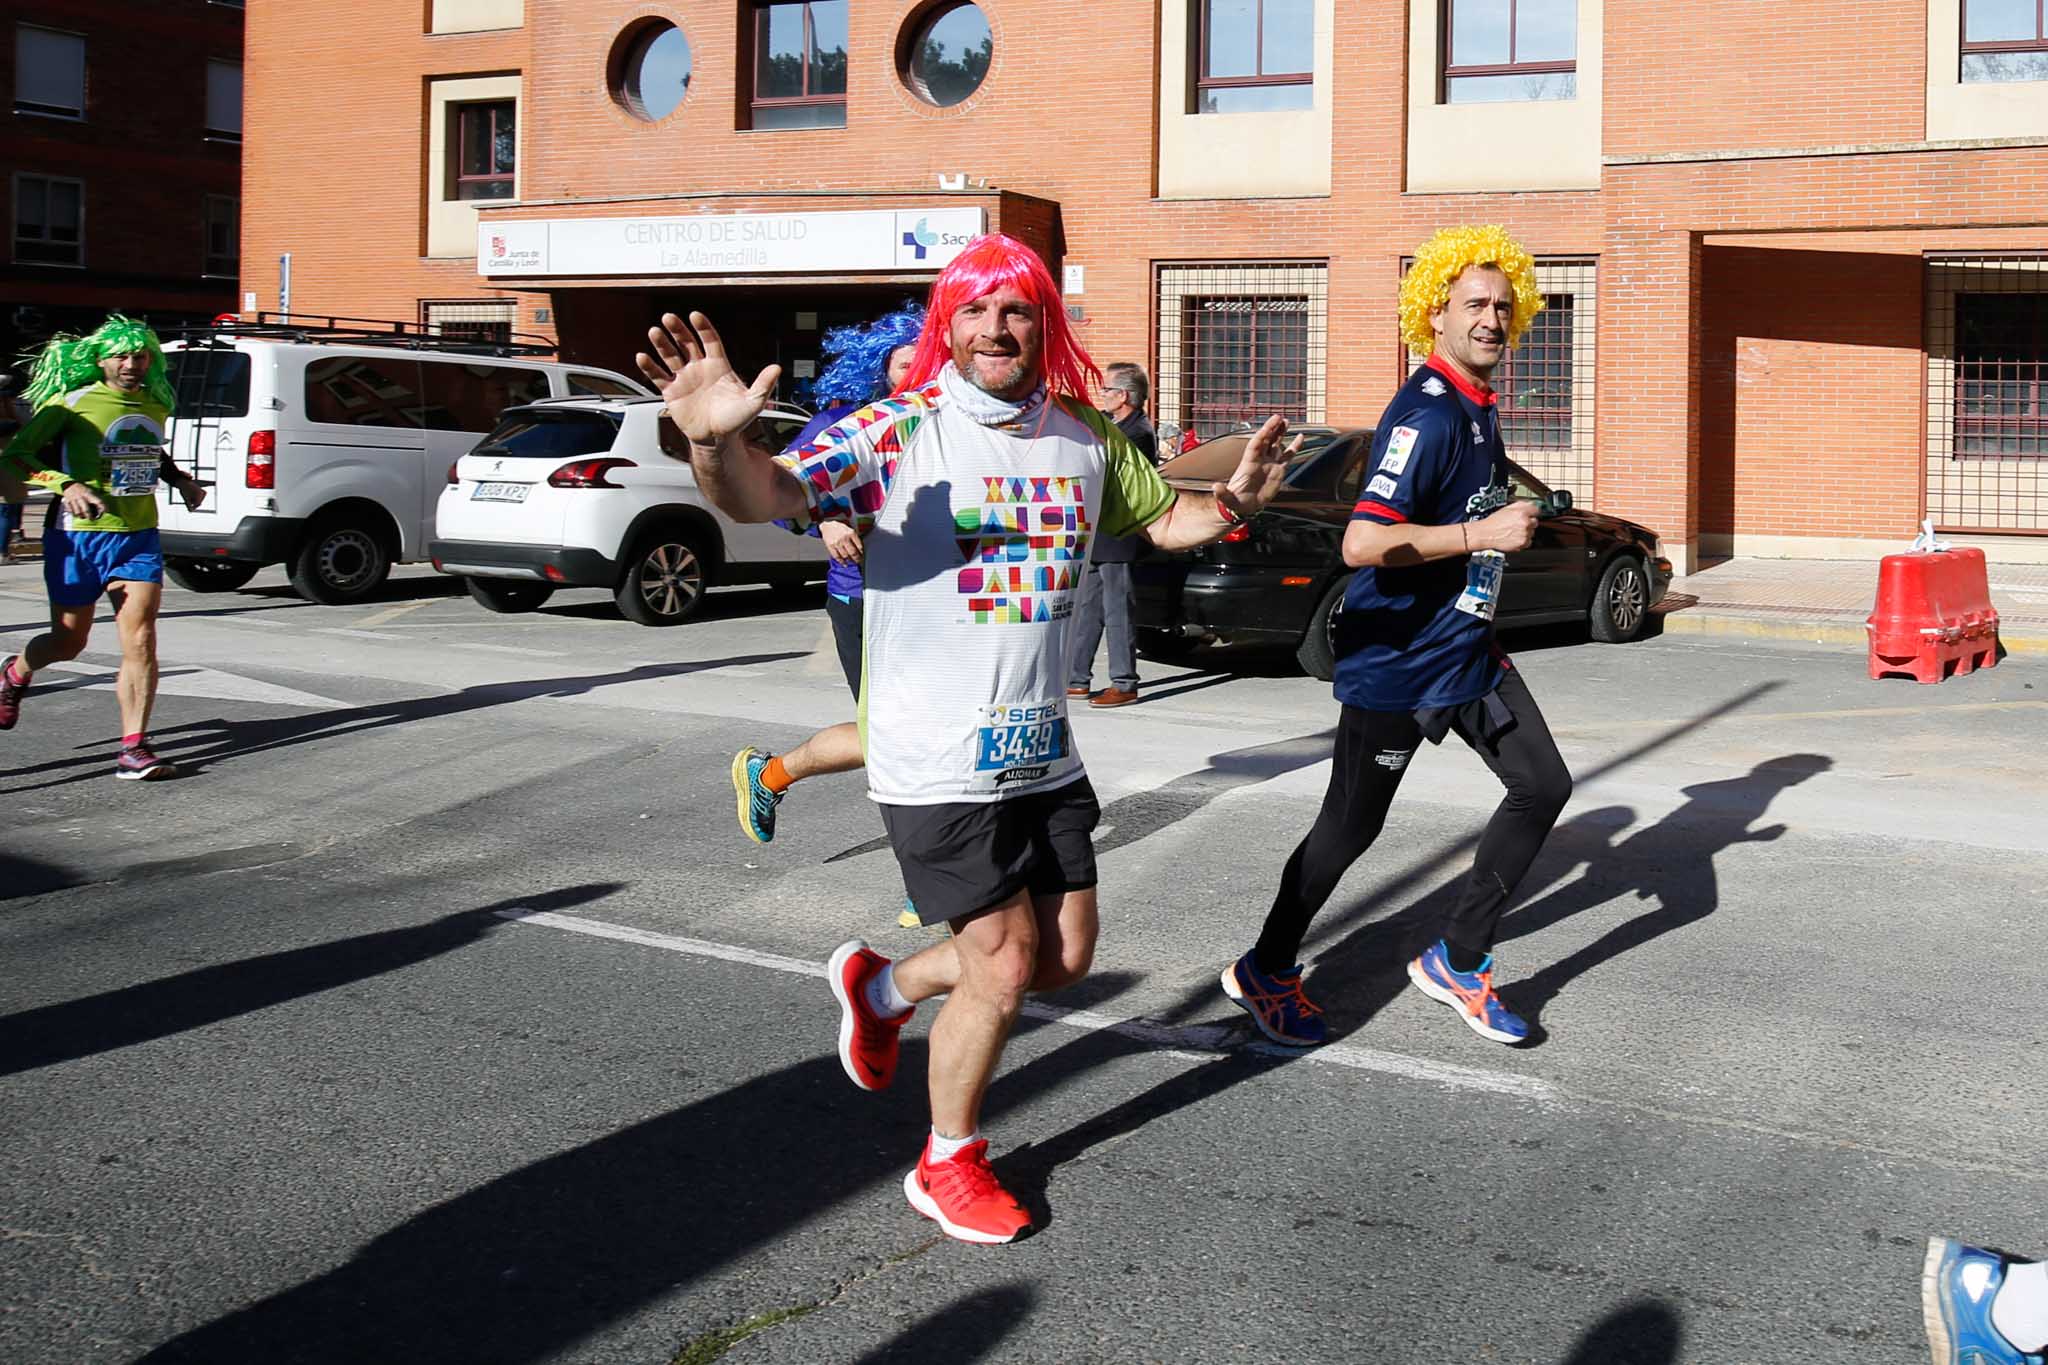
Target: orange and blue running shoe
[(1957, 1285), (963, 1196), (1276, 1003), (756, 803), (1469, 993)]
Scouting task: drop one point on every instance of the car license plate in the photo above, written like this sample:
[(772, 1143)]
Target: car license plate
[(500, 492)]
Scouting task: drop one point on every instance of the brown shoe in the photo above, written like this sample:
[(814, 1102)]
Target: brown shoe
[(1079, 692), (1113, 696)]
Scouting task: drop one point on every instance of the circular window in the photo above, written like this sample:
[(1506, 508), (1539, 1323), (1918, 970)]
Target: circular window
[(948, 54), (651, 71)]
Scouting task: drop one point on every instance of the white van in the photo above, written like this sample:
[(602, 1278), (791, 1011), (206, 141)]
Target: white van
[(325, 450)]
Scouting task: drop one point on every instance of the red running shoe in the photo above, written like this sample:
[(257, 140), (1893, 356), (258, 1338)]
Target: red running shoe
[(868, 1043), (11, 693), (964, 1197)]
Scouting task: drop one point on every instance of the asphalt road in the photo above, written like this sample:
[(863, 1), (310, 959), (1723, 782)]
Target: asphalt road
[(442, 1014)]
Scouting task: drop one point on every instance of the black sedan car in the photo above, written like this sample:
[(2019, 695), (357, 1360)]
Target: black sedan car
[(1279, 579)]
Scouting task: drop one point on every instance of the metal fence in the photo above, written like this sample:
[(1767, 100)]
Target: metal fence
[(1547, 385), (487, 320), (1237, 342), (1987, 392)]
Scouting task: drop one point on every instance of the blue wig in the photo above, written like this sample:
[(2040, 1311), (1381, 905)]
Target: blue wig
[(860, 355)]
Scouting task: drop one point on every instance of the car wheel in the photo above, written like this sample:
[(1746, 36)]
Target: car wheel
[(340, 563), (209, 575), (1317, 653), (508, 594), (1165, 646), (1621, 604), (664, 582)]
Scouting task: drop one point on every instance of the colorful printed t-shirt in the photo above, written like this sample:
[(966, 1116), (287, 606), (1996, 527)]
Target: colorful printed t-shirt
[(107, 440), (977, 515), (1437, 460)]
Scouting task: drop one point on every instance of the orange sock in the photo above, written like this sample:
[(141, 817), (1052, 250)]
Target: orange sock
[(775, 777)]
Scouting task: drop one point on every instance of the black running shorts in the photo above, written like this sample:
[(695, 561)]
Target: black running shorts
[(967, 856)]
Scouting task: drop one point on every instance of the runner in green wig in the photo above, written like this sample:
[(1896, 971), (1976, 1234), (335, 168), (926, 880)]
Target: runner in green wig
[(70, 362)]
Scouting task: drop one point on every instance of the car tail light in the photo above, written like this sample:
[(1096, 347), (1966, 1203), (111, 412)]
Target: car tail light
[(553, 574), (1238, 534), (451, 473), (587, 474), (261, 469)]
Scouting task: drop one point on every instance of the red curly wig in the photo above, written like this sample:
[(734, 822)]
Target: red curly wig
[(990, 262)]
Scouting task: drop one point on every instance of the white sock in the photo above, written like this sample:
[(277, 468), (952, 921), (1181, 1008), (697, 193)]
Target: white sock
[(2020, 1312), (883, 997), (945, 1148)]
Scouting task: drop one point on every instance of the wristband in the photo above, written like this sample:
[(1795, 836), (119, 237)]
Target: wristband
[(1465, 536), (1230, 518)]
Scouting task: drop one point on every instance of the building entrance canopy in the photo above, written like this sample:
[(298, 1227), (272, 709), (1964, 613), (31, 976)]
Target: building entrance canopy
[(726, 244)]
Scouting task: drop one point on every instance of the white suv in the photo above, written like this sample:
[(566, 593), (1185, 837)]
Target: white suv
[(598, 493), (323, 447)]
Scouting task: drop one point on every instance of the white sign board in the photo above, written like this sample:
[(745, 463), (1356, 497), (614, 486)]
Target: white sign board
[(727, 243)]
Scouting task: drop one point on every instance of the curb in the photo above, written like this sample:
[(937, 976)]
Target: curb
[(1812, 630)]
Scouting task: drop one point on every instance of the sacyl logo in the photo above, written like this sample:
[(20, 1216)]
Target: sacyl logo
[(921, 238)]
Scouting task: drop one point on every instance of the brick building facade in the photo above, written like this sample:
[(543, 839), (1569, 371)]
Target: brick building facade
[(1797, 256), (122, 163)]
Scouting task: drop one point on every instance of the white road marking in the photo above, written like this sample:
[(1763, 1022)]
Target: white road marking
[(1200, 1041), (246, 619), (359, 634), (506, 649), (184, 680)]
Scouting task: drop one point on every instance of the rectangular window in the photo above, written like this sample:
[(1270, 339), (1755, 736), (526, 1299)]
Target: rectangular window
[(2002, 375), (49, 220), (800, 65), (2005, 40), (1255, 55), (1239, 342), (1500, 50), (485, 138), (49, 72), (483, 321), (223, 235), (467, 397), (364, 391), (224, 101)]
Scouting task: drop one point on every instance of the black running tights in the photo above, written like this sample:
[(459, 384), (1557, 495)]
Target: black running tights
[(1372, 752)]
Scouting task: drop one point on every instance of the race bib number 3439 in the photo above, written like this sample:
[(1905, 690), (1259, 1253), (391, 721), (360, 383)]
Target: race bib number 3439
[(1022, 737)]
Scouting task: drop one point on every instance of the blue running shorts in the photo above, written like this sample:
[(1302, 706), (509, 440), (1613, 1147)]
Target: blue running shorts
[(78, 565)]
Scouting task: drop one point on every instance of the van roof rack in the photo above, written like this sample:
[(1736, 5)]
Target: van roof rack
[(318, 327)]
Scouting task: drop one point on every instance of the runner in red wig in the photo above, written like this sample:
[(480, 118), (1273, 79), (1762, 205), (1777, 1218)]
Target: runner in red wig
[(989, 263)]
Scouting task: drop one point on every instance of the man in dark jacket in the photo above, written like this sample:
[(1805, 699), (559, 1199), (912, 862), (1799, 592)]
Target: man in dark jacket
[(1106, 595)]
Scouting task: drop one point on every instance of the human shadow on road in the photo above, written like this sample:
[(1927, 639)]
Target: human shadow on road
[(962, 1332), (21, 877), (530, 1264), (1647, 1332), (157, 1009), (202, 743), (1670, 862)]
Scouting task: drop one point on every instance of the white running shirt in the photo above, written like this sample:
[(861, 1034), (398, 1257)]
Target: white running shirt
[(976, 515)]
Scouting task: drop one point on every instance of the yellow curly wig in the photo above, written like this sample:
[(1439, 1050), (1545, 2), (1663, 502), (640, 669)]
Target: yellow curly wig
[(1440, 260)]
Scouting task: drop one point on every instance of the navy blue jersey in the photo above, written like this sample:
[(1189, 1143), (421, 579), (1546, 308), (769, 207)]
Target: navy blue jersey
[(1402, 643)]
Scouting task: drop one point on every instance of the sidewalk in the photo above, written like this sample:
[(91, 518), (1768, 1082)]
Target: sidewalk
[(1826, 601)]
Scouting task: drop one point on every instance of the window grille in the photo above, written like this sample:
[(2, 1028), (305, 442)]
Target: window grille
[(1546, 385), (487, 320), (1987, 392), (1238, 342)]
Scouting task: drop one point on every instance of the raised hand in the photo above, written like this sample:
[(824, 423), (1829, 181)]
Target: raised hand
[(704, 398), (1259, 471)]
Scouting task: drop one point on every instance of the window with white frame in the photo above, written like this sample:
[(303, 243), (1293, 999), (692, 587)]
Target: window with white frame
[(49, 72), (49, 220)]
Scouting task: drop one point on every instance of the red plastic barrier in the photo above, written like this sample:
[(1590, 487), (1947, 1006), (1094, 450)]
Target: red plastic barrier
[(1933, 616)]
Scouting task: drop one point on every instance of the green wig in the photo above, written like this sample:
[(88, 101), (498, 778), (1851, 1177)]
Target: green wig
[(71, 362)]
